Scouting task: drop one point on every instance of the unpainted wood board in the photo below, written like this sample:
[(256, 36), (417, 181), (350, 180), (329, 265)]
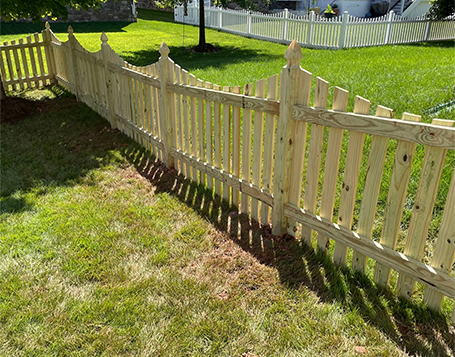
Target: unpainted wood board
[(201, 126), (444, 253), (314, 156), (194, 141), (422, 211), (423, 273), (269, 142), (372, 187), (217, 138), (246, 146), (208, 134), (221, 176), (235, 146), (258, 132), (226, 143), (350, 181), (419, 133), (332, 162), (238, 100), (296, 143), (31, 53), (401, 173)]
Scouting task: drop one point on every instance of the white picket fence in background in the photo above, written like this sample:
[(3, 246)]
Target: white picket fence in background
[(315, 31)]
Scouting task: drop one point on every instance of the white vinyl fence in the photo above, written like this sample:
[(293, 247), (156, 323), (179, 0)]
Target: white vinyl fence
[(319, 32)]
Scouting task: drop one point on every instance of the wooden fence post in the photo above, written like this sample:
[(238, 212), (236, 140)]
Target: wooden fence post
[(284, 33), (167, 105), (389, 27), (49, 51), (344, 30), (309, 37), (248, 23), (72, 69), (285, 136), (105, 53)]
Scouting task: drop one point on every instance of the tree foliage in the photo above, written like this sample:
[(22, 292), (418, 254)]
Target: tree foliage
[(440, 9), (36, 9)]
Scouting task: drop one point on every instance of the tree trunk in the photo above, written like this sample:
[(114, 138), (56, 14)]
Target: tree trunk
[(202, 41), (2, 89)]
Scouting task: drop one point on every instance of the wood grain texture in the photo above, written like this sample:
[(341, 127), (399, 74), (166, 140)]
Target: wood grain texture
[(423, 273), (350, 181), (314, 156), (235, 146), (201, 130), (372, 187), (422, 211), (419, 133), (221, 176), (246, 147), (208, 135), (233, 99), (217, 139), (269, 143), (194, 129), (444, 253), (298, 146), (226, 143), (332, 162), (257, 148), (404, 157)]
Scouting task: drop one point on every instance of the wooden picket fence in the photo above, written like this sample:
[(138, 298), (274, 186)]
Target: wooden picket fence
[(250, 146)]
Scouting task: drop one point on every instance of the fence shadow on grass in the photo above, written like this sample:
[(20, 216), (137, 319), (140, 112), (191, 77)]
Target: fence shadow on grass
[(414, 328)]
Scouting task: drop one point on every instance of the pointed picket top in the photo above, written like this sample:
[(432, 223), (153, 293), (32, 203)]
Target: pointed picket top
[(164, 50), (47, 26), (293, 54), (70, 30), (103, 38)]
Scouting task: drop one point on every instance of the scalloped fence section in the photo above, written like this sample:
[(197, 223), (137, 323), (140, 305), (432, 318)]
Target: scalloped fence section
[(374, 192)]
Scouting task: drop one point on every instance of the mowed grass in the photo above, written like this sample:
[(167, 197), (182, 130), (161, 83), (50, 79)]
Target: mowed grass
[(105, 253), (406, 78)]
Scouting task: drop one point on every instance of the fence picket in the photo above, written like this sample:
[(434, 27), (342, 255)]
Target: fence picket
[(208, 134), (3, 72), (444, 253), (372, 186), (194, 128), (9, 64), (40, 59), (201, 126), (226, 143), (217, 138), (178, 123), (246, 146), (269, 139), (17, 64), (395, 202), (235, 146), (332, 162), (423, 208), (314, 156), (350, 180), (257, 148)]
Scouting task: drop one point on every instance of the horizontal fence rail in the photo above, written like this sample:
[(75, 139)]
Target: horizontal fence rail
[(363, 188), (316, 31)]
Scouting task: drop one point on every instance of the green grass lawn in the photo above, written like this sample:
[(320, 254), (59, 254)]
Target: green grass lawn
[(105, 253), (406, 78)]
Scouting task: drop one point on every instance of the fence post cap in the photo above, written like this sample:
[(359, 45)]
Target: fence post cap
[(164, 50), (70, 30), (47, 26), (293, 53), (103, 38)]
